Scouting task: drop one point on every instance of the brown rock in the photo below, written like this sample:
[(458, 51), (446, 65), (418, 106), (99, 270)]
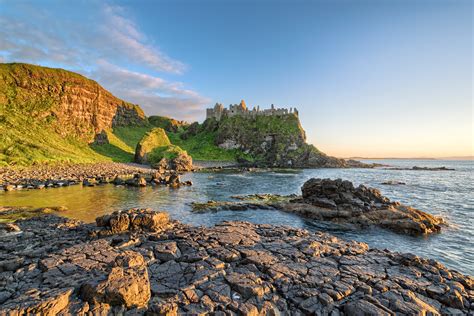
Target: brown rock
[(248, 285), (127, 285), (166, 251), (363, 308)]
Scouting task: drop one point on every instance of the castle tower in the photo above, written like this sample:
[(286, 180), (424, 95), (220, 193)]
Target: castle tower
[(218, 111), (243, 106)]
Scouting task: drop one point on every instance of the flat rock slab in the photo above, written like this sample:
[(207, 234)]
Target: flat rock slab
[(61, 266)]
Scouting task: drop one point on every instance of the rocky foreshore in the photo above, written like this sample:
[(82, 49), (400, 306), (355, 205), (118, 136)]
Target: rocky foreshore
[(52, 176), (340, 202), (139, 262)]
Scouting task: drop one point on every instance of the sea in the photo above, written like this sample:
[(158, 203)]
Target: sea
[(449, 194)]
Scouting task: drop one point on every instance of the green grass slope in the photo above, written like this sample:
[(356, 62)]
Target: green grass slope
[(202, 147), (25, 141), (122, 143), (30, 131), (154, 146)]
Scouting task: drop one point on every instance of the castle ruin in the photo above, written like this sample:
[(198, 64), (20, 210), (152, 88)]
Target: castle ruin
[(218, 111)]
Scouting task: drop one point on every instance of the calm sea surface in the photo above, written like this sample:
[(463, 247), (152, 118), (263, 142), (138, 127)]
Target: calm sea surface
[(446, 193)]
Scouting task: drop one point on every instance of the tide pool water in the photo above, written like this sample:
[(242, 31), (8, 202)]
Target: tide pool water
[(446, 193)]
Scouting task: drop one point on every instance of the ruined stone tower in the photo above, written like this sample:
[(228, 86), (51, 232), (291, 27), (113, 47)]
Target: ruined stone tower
[(218, 111)]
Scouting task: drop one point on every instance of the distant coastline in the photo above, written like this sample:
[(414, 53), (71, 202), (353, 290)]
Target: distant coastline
[(411, 158)]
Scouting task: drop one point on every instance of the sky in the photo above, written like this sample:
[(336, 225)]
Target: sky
[(375, 78)]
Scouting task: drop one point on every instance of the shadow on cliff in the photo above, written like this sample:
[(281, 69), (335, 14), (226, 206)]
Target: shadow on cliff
[(111, 151)]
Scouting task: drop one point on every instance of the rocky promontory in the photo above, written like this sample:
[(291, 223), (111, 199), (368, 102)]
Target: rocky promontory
[(140, 262), (340, 202)]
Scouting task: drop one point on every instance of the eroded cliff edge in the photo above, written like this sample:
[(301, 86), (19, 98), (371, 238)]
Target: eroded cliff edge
[(52, 115), (74, 104)]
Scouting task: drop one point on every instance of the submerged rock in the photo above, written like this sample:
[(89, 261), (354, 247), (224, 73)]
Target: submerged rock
[(393, 182), (61, 266)]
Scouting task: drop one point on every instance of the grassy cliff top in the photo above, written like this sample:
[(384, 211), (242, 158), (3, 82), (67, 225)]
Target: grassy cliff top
[(264, 125), (24, 83), (155, 138), (37, 117), (29, 85), (167, 123)]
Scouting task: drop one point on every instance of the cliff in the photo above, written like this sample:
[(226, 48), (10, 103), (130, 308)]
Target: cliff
[(52, 114), (78, 106), (264, 140)]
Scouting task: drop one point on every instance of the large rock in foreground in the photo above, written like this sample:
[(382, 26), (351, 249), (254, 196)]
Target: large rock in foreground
[(60, 266), (363, 206), (340, 202)]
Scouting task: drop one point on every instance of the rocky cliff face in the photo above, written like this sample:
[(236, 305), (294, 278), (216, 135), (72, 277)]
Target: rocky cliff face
[(276, 141), (75, 105)]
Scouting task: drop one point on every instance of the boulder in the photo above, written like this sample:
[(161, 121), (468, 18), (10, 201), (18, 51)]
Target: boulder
[(101, 138), (362, 205), (166, 251), (340, 202), (155, 138), (127, 283), (133, 219), (182, 162)]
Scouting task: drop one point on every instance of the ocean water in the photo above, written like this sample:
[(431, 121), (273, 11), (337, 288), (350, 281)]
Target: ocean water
[(446, 193)]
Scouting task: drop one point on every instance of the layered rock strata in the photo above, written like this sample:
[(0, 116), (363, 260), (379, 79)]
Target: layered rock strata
[(139, 262), (77, 105)]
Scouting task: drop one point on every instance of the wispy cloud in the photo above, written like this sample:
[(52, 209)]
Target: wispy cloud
[(108, 47), (123, 36), (150, 91)]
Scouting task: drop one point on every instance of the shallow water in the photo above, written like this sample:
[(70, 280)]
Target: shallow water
[(446, 193)]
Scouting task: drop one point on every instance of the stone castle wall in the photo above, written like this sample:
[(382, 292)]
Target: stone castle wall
[(218, 111)]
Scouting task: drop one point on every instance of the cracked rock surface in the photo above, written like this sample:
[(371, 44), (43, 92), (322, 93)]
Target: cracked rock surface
[(139, 262)]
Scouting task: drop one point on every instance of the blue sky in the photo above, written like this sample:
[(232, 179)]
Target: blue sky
[(370, 78)]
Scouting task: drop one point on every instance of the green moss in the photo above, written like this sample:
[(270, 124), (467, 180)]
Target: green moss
[(155, 138), (155, 145), (286, 125), (11, 215), (265, 198), (168, 152)]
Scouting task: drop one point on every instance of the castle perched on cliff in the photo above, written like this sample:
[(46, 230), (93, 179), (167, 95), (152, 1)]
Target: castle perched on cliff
[(218, 111)]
